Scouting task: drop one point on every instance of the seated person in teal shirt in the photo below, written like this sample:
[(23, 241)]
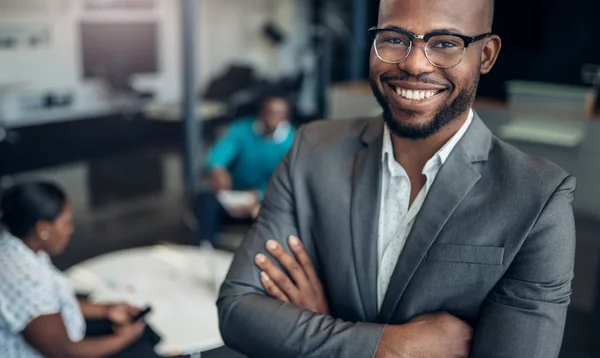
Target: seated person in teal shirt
[(244, 160)]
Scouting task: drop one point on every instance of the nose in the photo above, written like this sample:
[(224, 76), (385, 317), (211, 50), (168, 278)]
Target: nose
[(417, 63)]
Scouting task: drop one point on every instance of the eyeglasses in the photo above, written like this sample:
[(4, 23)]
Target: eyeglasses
[(443, 49)]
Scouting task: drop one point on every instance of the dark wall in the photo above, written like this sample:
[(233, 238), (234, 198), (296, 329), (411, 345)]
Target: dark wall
[(544, 40)]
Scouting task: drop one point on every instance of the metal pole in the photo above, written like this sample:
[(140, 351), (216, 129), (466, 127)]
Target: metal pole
[(322, 48), (358, 59), (327, 67), (191, 121)]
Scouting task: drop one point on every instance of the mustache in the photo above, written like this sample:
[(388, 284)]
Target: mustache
[(423, 78)]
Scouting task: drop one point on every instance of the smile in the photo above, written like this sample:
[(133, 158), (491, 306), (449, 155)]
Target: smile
[(415, 95)]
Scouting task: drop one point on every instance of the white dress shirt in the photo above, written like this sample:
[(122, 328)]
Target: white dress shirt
[(30, 287), (396, 217)]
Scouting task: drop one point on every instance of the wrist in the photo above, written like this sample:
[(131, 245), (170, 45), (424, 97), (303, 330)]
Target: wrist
[(395, 342), (121, 341), (106, 310)]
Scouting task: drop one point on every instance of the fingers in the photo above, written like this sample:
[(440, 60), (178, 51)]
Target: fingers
[(255, 211), (272, 288), (236, 212), (118, 314), (277, 276), (133, 311), (305, 262), (289, 263)]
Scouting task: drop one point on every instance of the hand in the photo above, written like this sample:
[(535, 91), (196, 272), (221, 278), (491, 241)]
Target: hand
[(436, 335), (254, 211), (247, 211), (304, 289), (129, 333), (239, 212), (121, 313), (221, 180)]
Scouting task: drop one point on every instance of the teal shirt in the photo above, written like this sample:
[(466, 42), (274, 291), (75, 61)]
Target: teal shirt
[(250, 157)]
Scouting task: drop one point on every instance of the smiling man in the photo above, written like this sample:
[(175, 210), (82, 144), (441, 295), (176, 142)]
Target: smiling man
[(422, 234)]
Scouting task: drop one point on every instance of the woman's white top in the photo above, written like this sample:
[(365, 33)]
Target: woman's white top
[(30, 287)]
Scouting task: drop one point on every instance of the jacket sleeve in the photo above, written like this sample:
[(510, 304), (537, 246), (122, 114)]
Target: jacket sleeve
[(524, 316), (260, 326)]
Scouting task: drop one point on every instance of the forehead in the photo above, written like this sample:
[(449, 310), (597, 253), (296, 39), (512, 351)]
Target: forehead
[(423, 16), (275, 103), (67, 212)]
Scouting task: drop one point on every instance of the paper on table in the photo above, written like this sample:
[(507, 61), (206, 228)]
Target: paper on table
[(552, 132), (231, 199)]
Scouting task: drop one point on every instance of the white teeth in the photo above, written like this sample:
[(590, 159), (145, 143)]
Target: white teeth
[(415, 95)]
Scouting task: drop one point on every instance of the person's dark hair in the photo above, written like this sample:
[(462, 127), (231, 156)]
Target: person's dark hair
[(23, 205), (273, 94)]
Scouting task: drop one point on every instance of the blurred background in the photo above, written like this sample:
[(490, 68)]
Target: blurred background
[(121, 101)]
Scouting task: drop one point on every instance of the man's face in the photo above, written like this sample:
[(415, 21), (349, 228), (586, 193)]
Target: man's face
[(274, 112), (455, 88)]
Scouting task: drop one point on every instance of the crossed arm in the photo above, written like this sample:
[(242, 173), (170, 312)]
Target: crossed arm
[(258, 325), (261, 326)]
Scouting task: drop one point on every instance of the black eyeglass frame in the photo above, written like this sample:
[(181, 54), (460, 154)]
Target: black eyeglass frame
[(426, 37)]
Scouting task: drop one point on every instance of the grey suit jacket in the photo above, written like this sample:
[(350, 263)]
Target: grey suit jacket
[(493, 245)]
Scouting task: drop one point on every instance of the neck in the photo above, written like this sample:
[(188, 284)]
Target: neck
[(32, 243), (413, 154)]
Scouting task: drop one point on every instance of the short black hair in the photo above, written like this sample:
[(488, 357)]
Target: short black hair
[(271, 94), (24, 205)]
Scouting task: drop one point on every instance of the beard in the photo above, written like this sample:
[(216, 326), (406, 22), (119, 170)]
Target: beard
[(446, 114)]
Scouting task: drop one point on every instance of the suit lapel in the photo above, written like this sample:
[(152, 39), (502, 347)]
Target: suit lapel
[(366, 181), (454, 181)]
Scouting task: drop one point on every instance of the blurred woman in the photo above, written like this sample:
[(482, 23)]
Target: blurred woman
[(39, 313)]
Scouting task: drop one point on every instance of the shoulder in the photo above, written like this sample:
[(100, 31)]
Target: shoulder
[(326, 132), (243, 124), (16, 267), (524, 170)]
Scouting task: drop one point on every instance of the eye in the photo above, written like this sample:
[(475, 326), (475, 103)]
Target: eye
[(445, 44), (394, 41)]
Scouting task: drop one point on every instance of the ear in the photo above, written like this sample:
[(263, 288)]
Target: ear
[(489, 53), (41, 227)]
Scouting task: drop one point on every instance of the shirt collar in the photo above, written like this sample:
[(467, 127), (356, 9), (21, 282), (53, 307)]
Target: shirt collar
[(279, 136), (19, 245), (438, 159), (445, 151)]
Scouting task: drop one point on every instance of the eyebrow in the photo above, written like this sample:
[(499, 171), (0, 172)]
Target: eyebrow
[(442, 31)]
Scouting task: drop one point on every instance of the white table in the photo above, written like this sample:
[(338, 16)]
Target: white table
[(179, 282)]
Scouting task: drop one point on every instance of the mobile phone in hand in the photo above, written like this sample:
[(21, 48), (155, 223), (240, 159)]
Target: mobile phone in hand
[(142, 314)]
